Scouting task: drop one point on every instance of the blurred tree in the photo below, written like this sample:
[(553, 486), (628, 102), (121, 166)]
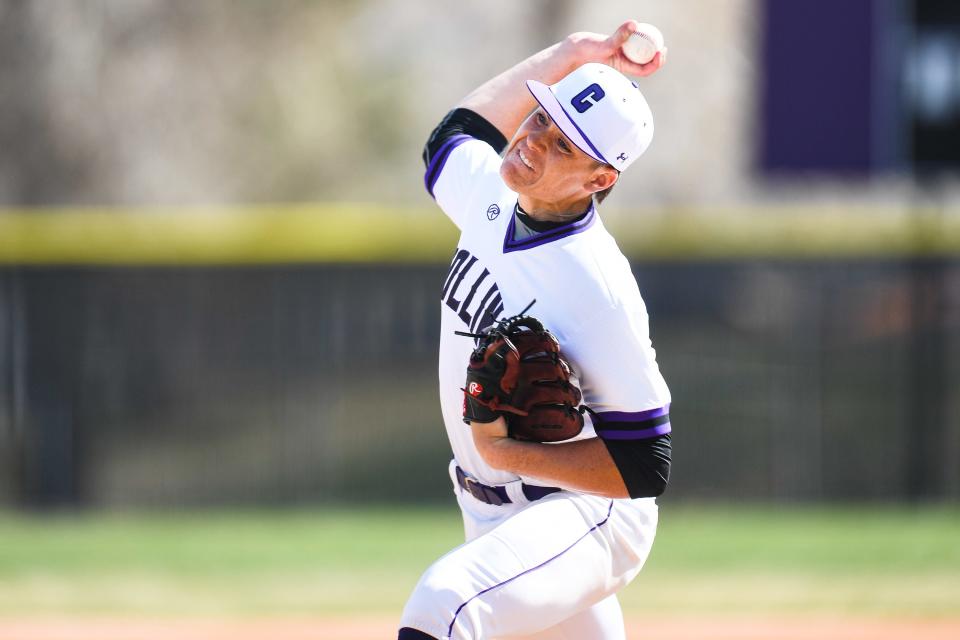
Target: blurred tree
[(38, 164)]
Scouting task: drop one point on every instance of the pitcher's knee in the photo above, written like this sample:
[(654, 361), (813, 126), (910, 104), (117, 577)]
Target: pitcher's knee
[(436, 605)]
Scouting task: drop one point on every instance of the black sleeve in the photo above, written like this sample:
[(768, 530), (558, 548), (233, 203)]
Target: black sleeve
[(644, 464), (462, 122)]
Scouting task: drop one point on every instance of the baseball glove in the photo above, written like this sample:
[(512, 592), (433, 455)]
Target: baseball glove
[(517, 371)]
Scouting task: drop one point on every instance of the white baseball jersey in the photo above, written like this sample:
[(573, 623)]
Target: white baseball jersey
[(550, 568), (585, 293)]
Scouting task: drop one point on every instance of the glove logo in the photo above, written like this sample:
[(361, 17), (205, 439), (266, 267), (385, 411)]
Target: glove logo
[(516, 372)]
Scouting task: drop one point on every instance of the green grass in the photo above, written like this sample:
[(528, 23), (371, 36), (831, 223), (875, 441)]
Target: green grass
[(851, 560), (829, 541), (334, 560), (227, 542)]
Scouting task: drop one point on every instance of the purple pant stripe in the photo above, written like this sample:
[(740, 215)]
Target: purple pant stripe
[(523, 573)]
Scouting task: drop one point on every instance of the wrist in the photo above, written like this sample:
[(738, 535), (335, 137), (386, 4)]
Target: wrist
[(492, 442), (573, 49), (492, 453), (582, 47)]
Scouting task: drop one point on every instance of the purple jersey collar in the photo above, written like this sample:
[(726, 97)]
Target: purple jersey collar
[(545, 237)]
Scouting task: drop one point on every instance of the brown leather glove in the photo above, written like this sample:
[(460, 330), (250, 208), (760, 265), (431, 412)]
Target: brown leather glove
[(517, 371)]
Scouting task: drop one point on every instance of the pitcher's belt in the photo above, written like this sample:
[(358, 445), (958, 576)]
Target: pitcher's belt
[(497, 495)]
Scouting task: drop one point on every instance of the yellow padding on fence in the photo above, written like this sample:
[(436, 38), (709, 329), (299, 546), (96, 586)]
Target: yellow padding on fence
[(795, 232), (282, 234), (346, 233)]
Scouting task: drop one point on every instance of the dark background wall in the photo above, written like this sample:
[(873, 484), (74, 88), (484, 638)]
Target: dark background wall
[(792, 380)]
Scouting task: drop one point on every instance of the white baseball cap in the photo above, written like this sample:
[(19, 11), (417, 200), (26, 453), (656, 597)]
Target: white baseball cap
[(601, 111)]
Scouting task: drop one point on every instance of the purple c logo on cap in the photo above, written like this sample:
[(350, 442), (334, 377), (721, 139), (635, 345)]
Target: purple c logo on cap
[(587, 98)]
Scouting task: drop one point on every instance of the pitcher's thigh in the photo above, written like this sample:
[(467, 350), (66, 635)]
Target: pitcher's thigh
[(540, 567)]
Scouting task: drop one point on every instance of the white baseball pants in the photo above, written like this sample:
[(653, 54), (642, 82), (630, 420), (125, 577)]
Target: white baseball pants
[(546, 570)]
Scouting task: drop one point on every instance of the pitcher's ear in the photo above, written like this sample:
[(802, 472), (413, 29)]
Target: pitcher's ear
[(602, 178)]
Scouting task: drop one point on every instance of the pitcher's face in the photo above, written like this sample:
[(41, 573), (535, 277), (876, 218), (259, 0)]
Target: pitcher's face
[(542, 164)]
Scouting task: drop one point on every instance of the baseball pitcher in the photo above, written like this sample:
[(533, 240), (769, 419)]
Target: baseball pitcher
[(550, 392)]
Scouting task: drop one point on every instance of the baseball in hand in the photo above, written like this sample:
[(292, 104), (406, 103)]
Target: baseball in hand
[(643, 44)]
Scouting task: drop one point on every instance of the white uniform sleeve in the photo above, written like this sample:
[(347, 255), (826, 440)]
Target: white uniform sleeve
[(619, 376), (458, 171)]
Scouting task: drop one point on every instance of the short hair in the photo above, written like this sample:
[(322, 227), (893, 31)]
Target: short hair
[(601, 195)]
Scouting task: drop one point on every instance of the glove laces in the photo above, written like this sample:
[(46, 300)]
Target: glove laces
[(501, 327)]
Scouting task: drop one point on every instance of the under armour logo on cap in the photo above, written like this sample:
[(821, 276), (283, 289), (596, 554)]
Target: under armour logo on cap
[(622, 157)]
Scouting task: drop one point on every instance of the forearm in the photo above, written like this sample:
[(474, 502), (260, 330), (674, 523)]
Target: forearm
[(505, 100), (582, 465)]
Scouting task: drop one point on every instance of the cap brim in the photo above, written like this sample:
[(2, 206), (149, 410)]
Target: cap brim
[(545, 97)]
